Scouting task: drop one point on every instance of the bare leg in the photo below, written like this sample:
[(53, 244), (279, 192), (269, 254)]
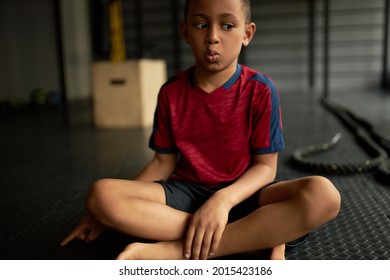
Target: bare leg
[(291, 210), (137, 209)]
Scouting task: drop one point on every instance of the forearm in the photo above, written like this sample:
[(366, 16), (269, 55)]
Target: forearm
[(161, 167), (209, 221), (258, 175)]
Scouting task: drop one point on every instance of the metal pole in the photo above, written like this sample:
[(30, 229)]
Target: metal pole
[(326, 47), (385, 65), (177, 62), (138, 29), (312, 39), (61, 64)]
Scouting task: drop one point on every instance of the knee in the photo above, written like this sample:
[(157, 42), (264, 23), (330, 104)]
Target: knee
[(321, 199), (97, 195)]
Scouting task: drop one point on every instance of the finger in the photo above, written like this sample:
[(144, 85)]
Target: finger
[(66, 241), (71, 236), (82, 236), (206, 244), (188, 242), (197, 244), (92, 235), (76, 233), (215, 242)]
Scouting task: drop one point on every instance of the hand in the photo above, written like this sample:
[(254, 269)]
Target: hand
[(206, 228), (88, 230)]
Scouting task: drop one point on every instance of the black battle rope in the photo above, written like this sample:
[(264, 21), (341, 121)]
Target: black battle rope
[(376, 146)]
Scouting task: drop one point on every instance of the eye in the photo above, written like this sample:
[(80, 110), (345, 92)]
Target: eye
[(228, 26), (201, 25)]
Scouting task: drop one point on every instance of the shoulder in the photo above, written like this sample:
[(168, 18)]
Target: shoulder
[(259, 79), (178, 81), (261, 86)]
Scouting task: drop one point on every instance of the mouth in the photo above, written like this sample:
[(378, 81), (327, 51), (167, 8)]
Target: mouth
[(212, 56)]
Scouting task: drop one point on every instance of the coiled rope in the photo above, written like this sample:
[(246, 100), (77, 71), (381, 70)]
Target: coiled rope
[(375, 144)]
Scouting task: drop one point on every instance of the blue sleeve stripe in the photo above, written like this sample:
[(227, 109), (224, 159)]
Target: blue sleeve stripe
[(234, 78), (276, 133), (270, 150)]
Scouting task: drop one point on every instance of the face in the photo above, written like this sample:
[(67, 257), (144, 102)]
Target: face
[(216, 31)]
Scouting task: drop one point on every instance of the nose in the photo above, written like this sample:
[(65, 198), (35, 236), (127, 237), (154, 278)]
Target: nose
[(212, 36)]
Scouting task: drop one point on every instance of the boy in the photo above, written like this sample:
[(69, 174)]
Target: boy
[(217, 135)]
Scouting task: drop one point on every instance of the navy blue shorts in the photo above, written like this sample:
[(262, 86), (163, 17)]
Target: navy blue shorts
[(188, 197)]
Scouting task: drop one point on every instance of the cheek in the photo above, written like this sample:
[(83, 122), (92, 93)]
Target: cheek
[(235, 43), (194, 40), (196, 49), (196, 44)]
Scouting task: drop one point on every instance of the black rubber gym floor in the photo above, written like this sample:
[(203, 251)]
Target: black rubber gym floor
[(47, 167)]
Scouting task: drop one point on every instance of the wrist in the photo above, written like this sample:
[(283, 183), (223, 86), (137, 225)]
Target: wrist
[(225, 199)]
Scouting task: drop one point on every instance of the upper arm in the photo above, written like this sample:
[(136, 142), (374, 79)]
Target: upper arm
[(161, 167), (269, 160), (167, 161), (164, 165)]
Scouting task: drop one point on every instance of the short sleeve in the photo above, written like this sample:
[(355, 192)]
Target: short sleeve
[(267, 129), (162, 140)]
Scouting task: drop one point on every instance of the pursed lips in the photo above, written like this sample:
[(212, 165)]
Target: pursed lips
[(212, 56)]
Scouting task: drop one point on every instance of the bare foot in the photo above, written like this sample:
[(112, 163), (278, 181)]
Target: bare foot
[(153, 251), (278, 252), (173, 250)]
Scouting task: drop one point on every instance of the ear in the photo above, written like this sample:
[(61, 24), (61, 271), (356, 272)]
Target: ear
[(184, 31), (250, 30)]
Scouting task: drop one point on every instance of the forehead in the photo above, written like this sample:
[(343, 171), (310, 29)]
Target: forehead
[(215, 7)]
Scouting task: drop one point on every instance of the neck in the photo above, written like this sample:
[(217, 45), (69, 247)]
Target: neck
[(211, 80)]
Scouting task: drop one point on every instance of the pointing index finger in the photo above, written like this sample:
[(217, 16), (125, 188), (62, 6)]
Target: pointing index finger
[(71, 236)]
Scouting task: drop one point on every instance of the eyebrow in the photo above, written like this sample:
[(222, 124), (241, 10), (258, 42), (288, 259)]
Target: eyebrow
[(224, 15)]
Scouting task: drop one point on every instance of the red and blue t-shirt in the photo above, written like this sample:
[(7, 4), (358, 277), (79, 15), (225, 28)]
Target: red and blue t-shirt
[(215, 134)]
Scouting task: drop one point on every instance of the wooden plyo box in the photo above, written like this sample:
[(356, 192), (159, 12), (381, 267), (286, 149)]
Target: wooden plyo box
[(125, 93)]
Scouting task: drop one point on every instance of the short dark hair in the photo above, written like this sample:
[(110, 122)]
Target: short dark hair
[(246, 5)]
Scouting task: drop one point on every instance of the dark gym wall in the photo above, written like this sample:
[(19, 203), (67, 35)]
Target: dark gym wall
[(28, 48), (281, 46)]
